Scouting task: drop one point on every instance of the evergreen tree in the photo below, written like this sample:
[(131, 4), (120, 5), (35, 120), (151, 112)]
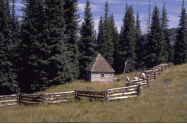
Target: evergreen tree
[(71, 17), (59, 66), (86, 44), (155, 43), (138, 42), (30, 49), (116, 54), (165, 36), (129, 39), (100, 36), (107, 46), (180, 55), (8, 83)]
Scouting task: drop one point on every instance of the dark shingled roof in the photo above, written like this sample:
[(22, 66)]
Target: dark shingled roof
[(99, 64)]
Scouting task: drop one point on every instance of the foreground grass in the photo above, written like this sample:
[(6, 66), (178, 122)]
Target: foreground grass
[(164, 101)]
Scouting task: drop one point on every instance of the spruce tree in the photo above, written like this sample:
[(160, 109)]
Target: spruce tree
[(180, 55), (71, 18), (155, 43), (138, 43), (100, 36), (129, 39), (107, 45), (165, 36), (30, 49), (86, 44), (120, 67), (8, 83), (59, 68)]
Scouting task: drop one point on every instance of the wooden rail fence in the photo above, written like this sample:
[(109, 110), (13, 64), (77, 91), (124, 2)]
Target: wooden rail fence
[(105, 95), (59, 97), (8, 100)]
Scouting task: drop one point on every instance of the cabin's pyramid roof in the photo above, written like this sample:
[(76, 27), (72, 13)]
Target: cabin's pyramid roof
[(99, 64)]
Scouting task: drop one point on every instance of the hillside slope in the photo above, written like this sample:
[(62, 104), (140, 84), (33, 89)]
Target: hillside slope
[(164, 101)]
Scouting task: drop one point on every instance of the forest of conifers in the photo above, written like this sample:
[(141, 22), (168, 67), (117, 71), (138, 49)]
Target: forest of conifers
[(48, 47)]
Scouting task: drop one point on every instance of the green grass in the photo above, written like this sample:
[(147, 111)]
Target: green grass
[(164, 101)]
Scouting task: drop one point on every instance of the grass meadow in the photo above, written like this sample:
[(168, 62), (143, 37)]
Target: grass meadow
[(164, 101)]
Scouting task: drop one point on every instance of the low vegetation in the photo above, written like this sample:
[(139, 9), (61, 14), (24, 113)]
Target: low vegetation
[(164, 101)]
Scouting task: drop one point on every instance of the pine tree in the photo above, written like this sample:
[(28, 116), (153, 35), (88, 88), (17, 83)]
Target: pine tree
[(139, 48), (166, 41), (60, 67), (8, 83), (155, 43), (107, 45), (100, 36), (71, 17), (86, 44), (116, 54), (180, 55), (129, 39), (30, 48)]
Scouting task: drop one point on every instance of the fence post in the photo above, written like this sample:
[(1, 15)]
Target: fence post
[(18, 99), (75, 93), (105, 96), (138, 89), (43, 98), (147, 80), (162, 69), (154, 75)]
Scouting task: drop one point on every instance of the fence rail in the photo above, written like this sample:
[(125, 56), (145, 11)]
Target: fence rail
[(8, 100), (58, 97), (106, 95)]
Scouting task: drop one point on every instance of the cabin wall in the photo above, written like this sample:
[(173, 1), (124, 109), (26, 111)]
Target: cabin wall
[(108, 76)]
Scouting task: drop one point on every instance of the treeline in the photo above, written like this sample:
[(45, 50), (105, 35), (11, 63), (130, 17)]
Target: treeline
[(48, 47)]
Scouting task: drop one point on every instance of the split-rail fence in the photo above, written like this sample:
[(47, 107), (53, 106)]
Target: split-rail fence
[(106, 95)]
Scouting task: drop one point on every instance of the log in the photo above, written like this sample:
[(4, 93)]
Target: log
[(69, 97), (124, 90), (133, 86), (13, 100), (28, 103), (132, 96), (60, 92), (8, 95), (29, 95), (30, 100), (56, 101), (81, 95), (129, 93), (8, 98), (11, 104), (115, 98), (60, 95), (26, 97), (91, 92)]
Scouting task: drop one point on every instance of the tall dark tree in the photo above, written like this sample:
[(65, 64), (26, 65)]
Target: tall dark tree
[(8, 83), (139, 49), (180, 55), (100, 36), (59, 66), (128, 41), (72, 18), (30, 49), (107, 46), (155, 43), (86, 44), (166, 42)]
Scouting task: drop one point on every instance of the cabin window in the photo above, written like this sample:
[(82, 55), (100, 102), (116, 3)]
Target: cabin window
[(102, 75)]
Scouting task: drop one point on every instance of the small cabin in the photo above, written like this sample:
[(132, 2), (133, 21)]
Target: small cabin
[(99, 70)]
